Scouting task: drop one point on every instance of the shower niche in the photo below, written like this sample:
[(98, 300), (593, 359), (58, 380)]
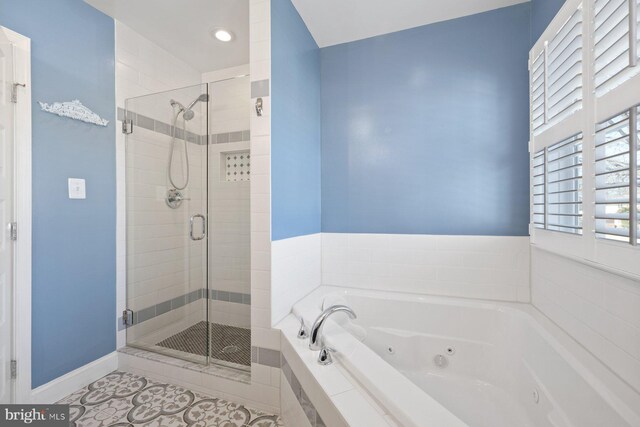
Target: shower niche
[(235, 166), (188, 227)]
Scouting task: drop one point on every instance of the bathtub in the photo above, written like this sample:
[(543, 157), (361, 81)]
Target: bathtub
[(486, 363)]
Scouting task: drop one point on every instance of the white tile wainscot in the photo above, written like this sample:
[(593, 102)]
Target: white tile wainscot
[(485, 267), (296, 272), (598, 309)]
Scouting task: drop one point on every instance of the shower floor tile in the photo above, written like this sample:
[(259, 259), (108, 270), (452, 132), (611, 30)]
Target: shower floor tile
[(127, 400), (228, 343)]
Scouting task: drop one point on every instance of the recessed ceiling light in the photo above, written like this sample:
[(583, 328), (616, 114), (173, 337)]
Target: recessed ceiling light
[(222, 34)]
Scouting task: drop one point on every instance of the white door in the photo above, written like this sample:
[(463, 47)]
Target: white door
[(6, 217)]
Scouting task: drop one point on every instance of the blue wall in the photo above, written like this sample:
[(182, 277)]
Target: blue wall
[(542, 12), (73, 240), (295, 125), (426, 130)]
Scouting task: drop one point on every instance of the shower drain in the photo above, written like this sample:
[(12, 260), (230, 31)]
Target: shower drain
[(230, 349)]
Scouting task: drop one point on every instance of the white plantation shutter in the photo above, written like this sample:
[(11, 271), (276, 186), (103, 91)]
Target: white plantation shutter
[(616, 177), (615, 42), (538, 93), (557, 186), (538, 190), (556, 89), (635, 189), (585, 82), (612, 178), (564, 69)]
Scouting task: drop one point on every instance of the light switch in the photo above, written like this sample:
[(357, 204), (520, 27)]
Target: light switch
[(77, 189)]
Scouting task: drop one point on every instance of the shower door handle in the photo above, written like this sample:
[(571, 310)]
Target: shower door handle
[(204, 227)]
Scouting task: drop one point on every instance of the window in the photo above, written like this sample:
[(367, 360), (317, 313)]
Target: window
[(557, 186), (616, 177), (585, 82)]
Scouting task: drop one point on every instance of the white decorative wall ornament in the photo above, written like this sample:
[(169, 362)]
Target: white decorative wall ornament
[(74, 110)]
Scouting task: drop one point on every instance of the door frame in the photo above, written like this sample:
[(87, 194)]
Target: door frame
[(22, 175)]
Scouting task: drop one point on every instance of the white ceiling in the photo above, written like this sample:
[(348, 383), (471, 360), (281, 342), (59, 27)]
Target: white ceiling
[(182, 28), (339, 21)]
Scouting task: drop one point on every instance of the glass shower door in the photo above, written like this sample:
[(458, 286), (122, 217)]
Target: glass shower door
[(166, 220), (229, 222)]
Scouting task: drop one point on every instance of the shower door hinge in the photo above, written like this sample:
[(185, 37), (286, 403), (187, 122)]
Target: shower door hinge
[(127, 126), (14, 369), (127, 317), (13, 231)]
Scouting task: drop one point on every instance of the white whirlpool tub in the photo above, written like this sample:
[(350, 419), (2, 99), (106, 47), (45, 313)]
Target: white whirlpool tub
[(489, 364)]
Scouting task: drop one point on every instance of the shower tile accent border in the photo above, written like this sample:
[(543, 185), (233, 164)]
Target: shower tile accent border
[(163, 307), (158, 126), (303, 399), (260, 88), (226, 137)]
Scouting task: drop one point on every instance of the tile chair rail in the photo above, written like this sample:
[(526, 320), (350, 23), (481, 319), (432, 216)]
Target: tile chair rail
[(163, 307), (161, 127)]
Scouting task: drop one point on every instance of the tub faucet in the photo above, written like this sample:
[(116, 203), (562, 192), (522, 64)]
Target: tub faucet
[(316, 340)]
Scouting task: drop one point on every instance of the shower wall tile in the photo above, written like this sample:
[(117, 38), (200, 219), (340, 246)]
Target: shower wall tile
[(178, 302), (145, 122), (235, 297), (222, 138), (229, 106), (235, 136), (260, 184), (229, 237), (229, 313), (161, 127), (260, 88), (146, 314)]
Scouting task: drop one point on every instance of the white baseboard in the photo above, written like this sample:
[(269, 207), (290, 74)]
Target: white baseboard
[(63, 386)]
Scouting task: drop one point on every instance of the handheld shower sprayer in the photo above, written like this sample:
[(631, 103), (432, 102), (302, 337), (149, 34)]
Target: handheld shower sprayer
[(187, 114)]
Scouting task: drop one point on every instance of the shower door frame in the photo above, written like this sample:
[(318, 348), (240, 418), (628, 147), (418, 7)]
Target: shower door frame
[(128, 128)]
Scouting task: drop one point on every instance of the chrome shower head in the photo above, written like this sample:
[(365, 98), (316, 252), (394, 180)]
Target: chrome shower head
[(187, 112)]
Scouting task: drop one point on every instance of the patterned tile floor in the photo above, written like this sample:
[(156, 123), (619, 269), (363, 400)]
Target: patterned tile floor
[(121, 399), (228, 343)]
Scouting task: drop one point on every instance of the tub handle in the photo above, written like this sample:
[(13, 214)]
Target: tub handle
[(303, 333), (324, 358)]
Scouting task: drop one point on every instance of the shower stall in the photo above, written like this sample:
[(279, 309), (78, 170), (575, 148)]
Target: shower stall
[(188, 168)]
